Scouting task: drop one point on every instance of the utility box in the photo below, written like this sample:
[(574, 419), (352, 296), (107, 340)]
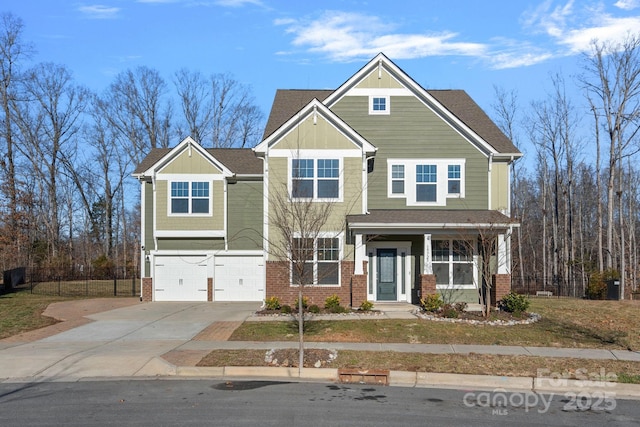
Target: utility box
[(613, 289)]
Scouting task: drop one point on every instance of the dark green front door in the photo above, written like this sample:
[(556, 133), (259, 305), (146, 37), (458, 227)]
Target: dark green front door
[(387, 283)]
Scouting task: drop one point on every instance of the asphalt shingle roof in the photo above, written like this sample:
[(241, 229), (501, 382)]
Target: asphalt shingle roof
[(241, 161)]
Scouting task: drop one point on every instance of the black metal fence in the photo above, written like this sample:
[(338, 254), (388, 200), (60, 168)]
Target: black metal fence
[(549, 286), (115, 282)]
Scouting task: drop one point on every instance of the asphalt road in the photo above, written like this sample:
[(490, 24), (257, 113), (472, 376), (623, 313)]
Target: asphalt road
[(265, 403)]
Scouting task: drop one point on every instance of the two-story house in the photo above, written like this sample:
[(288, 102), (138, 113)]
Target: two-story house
[(417, 182)]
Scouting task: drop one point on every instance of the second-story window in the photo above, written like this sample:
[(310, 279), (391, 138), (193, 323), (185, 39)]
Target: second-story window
[(317, 179), (426, 183), (397, 179), (190, 197), (453, 185)]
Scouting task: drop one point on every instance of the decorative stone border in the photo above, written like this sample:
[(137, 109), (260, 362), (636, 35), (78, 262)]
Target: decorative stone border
[(533, 317)]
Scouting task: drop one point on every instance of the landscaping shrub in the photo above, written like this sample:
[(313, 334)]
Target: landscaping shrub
[(272, 303), (449, 311), (597, 287), (286, 309), (431, 302), (332, 302), (366, 306), (514, 303), (305, 303), (314, 309)]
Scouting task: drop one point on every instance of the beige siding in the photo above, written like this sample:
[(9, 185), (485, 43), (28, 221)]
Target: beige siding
[(188, 164), (499, 186), (189, 222), (245, 215), (319, 136), (384, 81), (413, 131), (190, 244)]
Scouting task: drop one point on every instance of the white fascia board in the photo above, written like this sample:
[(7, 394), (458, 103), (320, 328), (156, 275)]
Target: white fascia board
[(316, 107), (420, 227), (189, 233), (187, 144)]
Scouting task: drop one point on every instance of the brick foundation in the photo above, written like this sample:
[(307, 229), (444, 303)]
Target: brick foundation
[(278, 285), (501, 286), (427, 284), (209, 288), (146, 291)]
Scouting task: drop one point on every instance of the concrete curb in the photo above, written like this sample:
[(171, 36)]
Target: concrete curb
[(593, 389)]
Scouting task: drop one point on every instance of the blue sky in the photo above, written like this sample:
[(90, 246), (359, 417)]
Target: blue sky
[(268, 44)]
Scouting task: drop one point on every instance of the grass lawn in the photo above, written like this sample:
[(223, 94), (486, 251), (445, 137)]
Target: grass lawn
[(22, 312), (565, 323)]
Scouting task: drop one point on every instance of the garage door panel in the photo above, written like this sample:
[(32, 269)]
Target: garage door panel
[(239, 278), (180, 278)]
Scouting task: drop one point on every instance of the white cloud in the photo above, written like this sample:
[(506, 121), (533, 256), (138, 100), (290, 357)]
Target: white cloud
[(99, 11), (627, 4), (345, 36), (573, 29)]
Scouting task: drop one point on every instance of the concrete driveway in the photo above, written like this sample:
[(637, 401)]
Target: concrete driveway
[(123, 342)]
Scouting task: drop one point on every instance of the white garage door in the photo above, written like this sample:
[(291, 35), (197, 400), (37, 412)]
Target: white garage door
[(239, 278), (180, 278)]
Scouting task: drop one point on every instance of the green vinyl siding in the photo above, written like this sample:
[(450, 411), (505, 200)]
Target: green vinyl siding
[(452, 296), (190, 244), (499, 186), (245, 202), (413, 131), (189, 222)]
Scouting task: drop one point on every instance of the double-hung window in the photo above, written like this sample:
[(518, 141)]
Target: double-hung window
[(453, 184), (397, 179), (190, 197), (426, 183), (453, 264), (315, 179), (316, 262)]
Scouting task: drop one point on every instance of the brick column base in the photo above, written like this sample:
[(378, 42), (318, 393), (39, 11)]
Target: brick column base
[(427, 284), (146, 291), (501, 286), (209, 288), (359, 287)]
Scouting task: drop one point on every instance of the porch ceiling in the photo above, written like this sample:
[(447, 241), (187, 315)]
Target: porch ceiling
[(420, 219)]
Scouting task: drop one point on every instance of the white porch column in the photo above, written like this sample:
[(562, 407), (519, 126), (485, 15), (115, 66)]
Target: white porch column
[(504, 264), (427, 267), (360, 254)]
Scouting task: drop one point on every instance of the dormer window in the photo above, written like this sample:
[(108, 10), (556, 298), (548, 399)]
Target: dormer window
[(379, 104)]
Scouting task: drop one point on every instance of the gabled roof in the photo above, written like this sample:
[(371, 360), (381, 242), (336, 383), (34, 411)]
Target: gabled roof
[(286, 103), (238, 161), (315, 107), (461, 110)]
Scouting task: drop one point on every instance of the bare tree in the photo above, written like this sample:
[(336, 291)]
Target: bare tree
[(136, 107), (13, 50), (612, 83), (195, 99), (49, 122)]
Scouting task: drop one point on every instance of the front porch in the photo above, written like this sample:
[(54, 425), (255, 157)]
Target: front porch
[(402, 255)]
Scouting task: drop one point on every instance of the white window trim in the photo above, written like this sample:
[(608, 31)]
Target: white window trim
[(190, 198), (442, 183), (387, 104), (327, 156), (451, 262), (323, 235)]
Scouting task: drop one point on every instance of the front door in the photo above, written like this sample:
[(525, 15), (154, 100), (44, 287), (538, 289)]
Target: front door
[(387, 277)]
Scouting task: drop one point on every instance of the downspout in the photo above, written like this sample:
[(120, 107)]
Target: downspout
[(490, 167)]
